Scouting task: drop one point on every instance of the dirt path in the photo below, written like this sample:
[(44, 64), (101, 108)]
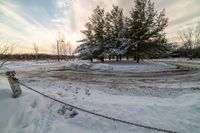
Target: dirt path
[(172, 83)]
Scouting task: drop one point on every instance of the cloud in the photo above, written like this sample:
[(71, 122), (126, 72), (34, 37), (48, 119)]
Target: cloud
[(22, 27), (40, 21), (177, 12), (181, 13)]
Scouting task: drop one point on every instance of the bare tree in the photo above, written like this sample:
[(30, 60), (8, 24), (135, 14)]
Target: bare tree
[(66, 48), (197, 36), (190, 39), (5, 49), (60, 43), (70, 49), (186, 37), (36, 50), (63, 48)]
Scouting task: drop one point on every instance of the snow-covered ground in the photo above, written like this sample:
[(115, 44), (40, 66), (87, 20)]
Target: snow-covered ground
[(120, 66), (155, 93)]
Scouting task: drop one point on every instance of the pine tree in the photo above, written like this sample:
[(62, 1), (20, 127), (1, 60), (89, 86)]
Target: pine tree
[(114, 31), (140, 35), (86, 49), (126, 42), (157, 48), (98, 23), (145, 26), (93, 45)]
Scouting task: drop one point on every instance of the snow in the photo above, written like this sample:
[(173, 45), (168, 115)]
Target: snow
[(170, 102), (102, 67), (79, 65), (86, 66), (119, 67), (144, 67)]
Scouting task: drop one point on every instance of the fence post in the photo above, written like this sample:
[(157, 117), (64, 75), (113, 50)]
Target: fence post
[(14, 84)]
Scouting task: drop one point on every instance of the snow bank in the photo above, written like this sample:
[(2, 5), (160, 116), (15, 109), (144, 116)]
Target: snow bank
[(79, 65), (102, 67), (141, 67), (28, 65), (85, 66), (119, 66), (180, 60)]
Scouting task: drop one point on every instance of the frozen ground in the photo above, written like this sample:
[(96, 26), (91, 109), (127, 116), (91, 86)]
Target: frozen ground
[(160, 93), (122, 66)]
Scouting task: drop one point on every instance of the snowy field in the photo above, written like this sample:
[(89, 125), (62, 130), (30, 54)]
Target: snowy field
[(159, 93)]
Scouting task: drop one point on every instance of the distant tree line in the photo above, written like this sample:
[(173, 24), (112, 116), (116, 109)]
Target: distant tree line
[(111, 34), (13, 57), (5, 49), (190, 39), (183, 52)]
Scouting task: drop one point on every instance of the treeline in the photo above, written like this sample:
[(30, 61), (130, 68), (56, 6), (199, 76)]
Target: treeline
[(112, 34), (190, 39), (183, 52), (12, 57)]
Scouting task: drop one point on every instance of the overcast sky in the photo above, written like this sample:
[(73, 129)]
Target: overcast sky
[(24, 22)]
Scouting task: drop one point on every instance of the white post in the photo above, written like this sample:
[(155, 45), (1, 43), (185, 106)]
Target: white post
[(14, 84)]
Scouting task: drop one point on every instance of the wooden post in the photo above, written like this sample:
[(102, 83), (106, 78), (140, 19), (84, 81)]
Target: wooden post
[(14, 84)]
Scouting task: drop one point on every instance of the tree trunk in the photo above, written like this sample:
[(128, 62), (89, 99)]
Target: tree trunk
[(109, 57), (135, 56), (120, 57), (138, 59), (36, 57), (127, 57), (102, 59), (117, 59), (191, 55), (91, 59)]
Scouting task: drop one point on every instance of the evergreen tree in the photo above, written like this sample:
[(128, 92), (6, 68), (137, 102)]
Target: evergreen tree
[(127, 43), (158, 48), (93, 45), (145, 27), (140, 35), (114, 31), (98, 23), (86, 49)]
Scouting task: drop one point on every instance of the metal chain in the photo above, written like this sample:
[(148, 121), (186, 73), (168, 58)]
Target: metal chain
[(97, 114)]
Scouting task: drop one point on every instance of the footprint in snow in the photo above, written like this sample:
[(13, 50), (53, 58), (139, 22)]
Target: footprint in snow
[(34, 104), (67, 111)]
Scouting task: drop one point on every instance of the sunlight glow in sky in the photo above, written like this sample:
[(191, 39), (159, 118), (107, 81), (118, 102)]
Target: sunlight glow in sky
[(25, 22)]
